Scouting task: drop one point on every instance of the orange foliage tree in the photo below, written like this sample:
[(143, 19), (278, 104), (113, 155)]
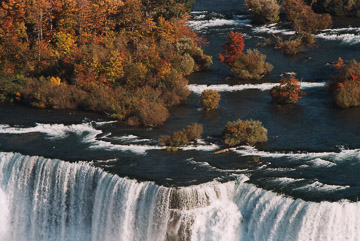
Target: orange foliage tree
[(287, 92), (234, 46), (346, 84), (244, 132), (107, 52), (304, 18), (210, 99), (251, 65)]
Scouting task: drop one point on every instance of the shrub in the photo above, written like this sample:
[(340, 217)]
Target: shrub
[(287, 92), (202, 61), (152, 113), (181, 138), (337, 7), (10, 88), (346, 84), (264, 11), (251, 65), (303, 18), (187, 64), (234, 46), (210, 99), (294, 45), (165, 140), (244, 132), (41, 93), (348, 95), (194, 131)]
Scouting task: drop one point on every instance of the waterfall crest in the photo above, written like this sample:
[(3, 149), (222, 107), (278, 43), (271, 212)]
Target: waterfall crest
[(46, 199)]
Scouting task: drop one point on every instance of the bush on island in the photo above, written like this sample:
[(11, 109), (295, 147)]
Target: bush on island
[(210, 99), (264, 11), (337, 7), (303, 18), (288, 92), (295, 44), (181, 138), (244, 132), (251, 65), (346, 84)]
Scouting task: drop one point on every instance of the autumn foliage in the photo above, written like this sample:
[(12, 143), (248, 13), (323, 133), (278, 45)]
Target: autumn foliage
[(181, 138), (297, 43), (346, 84), (303, 18), (247, 66), (264, 11), (210, 99), (125, 58), (234, 47), (288, 92), (244, 132), (337, 7)]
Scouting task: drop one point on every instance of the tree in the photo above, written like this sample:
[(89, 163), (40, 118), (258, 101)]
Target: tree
[(181, 138), (251, 65), (244, 132), (287, 92), (303, 18), (122, 57), (210, 99), (346, 84), (264, 11), (234, 47)]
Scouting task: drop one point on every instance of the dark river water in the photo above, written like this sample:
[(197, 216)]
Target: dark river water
[(311, 161)]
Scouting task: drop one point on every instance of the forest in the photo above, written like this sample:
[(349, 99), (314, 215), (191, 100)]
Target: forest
[(125, 58), (128, 59)]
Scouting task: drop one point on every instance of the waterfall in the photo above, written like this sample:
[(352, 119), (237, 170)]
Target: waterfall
[(46, 199)]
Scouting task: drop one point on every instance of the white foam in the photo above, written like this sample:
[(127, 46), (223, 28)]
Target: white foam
[(288, 73), (90, 135), (55, 200), (106, 161), (280, 169), (273, 29), (138, 149), (4, 216), (203, 164), (286, 180), (53, 131), (350, 35), (202, 147), (129, 138), (198, 89), (322, 187), (205, 24), (198, 12), (321, 163), (102, 123), (348, 38), (86, 130), (199, 17), (252, 151)]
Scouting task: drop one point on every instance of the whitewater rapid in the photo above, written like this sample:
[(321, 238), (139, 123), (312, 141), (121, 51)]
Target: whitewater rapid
[(198, 89), (46, 199)]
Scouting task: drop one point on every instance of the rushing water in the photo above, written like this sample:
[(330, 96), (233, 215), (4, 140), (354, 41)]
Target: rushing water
[(44, 199), (82, 177)]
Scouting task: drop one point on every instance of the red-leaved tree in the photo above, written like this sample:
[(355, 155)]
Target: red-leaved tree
[(287, 92), (234, 46)]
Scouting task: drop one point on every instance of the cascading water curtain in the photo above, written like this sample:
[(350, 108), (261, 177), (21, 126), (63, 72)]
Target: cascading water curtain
[(47, 200)]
